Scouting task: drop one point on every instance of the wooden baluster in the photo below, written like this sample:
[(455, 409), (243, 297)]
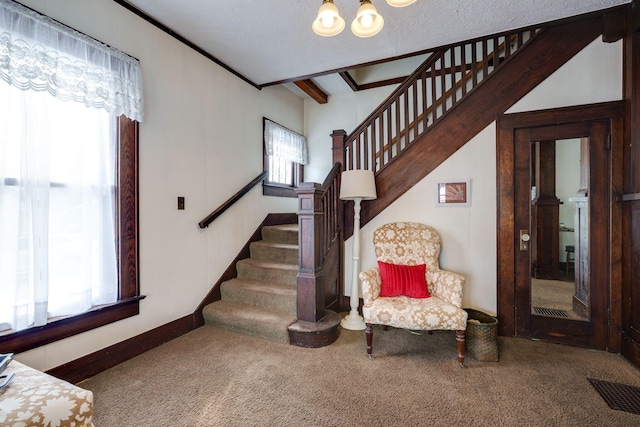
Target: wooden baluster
[(415, 110), (434, 96), (405, 130), (520, 39), (474, 64), (382, 145), (485, 59), (452, 76), (397, 139), (507, 46), (425, 106), (463, 69), (365, 148), (374, 143), (357, 151), (443, 85), (389, 136)]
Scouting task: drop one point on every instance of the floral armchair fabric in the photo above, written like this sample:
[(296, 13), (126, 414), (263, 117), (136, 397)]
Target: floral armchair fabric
[(409, 243)]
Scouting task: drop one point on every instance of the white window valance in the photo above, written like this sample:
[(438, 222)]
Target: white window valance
[(39, 53), (285, 144)]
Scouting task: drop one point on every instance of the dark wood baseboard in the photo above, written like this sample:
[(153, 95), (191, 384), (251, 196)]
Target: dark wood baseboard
[(630, 349), (101, 360), (94, 363)]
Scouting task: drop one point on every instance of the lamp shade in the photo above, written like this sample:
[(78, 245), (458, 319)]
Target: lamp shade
[(368, 21), (358, 183), (400, 3), (329, 22)]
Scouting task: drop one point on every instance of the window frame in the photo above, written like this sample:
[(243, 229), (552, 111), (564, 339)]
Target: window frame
[(278, 189), (127, 258)]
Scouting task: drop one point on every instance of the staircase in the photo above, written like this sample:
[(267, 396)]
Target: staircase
[(261, 300), (451, 97)]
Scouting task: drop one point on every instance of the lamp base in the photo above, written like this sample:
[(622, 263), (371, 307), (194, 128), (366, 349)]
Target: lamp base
[(353, 321)]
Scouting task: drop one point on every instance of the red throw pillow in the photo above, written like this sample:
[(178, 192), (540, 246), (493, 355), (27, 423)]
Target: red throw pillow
[(407, 280)]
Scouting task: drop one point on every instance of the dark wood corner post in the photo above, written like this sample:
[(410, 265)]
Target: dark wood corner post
[(311, 304), (630, 334), (319, 280)]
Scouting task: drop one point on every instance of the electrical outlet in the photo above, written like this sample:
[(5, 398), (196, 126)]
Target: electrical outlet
[(180, 203)]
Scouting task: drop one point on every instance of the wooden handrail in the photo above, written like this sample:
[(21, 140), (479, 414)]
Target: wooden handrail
[(226, 205), (337, 168)]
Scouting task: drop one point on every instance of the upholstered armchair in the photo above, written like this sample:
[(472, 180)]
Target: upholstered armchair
[(393, 294)]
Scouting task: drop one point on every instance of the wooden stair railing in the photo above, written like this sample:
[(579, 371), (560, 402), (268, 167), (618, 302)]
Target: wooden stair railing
[(433, 127), (426, 96), (460, 85), (320, 224)]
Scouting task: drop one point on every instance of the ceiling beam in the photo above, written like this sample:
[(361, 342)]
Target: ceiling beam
[(311, 89), (349, 80)]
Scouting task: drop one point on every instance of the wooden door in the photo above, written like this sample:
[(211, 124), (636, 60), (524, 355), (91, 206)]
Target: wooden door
[(517, 215)]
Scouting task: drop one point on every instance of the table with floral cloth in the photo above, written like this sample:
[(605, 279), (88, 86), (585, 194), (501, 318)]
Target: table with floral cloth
[(33, 398)]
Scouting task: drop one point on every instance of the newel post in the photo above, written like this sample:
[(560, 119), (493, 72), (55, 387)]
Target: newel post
[(338, 137), (310, 295)]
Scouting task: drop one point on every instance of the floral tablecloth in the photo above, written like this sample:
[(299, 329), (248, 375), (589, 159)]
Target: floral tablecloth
[(34, 398)]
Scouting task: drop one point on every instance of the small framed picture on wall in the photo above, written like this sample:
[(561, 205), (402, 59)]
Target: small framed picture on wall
[(454, 193)]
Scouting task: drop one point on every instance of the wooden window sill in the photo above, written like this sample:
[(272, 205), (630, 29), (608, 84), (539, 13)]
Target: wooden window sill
[(28, 339)]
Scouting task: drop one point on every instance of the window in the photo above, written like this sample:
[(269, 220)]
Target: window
[(285, 153), (68, 184)]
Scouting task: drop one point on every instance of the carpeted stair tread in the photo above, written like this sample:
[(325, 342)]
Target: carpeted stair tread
[(262, 300), (287, 233), (271, 295), (266, 270), (264, 250), (250, 320)]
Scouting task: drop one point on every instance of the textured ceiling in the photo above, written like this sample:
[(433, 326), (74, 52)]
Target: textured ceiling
[(271, 40)]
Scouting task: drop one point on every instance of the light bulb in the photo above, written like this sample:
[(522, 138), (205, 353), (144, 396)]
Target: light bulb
[(327, 21), (366, 20)]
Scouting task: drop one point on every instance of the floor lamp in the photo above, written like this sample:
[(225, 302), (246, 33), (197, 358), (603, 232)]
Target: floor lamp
[(356, 185)]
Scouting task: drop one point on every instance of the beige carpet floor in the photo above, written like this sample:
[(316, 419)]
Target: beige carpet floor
[(214, 377), (554, 294)]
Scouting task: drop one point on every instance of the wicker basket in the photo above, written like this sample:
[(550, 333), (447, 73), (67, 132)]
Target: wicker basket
[(481, 335)]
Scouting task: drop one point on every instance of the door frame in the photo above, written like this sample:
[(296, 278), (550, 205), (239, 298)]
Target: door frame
[(507, 228)]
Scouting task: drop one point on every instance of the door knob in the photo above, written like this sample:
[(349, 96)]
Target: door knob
[(524, 240)]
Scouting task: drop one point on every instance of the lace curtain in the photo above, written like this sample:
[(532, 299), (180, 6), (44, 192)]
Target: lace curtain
[(282, 143), (38, 53)]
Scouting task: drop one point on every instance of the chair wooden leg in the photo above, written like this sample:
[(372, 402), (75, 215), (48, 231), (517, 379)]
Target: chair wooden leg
[(369, 334), (460, 344)]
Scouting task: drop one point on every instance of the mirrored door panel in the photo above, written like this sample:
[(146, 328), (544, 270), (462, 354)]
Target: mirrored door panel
[(559, 220)]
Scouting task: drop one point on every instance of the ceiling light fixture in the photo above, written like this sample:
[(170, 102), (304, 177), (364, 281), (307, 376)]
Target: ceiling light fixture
[(400, 3), (329, 22), (368, 21)]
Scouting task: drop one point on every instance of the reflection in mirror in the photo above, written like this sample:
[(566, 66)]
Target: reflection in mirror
[(559, 223)]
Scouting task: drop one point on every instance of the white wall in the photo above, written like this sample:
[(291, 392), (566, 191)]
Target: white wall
[(468, 233), (201, 139)]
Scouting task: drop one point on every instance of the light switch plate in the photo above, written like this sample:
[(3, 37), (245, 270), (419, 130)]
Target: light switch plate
[(180, 203)]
